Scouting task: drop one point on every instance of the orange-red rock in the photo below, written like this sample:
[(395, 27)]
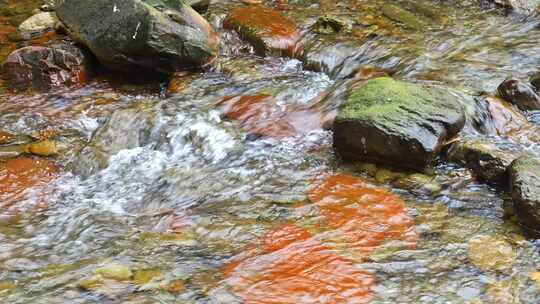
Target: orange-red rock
[(19, 174), (259, 114), (293, 267), (267, 30), (367, 217)]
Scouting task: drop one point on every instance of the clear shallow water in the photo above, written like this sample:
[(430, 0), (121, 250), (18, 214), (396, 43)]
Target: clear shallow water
[(180, 199)]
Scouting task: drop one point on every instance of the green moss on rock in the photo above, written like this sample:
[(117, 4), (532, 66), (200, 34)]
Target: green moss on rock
[(396, 123)]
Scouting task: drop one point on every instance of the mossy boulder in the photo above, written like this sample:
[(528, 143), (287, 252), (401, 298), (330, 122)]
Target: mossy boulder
[(396, 123), (141, 35), (525, 191)]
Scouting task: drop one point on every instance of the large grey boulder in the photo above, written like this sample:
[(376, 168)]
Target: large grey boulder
[(396, 123), (133, 35), (525, 191)]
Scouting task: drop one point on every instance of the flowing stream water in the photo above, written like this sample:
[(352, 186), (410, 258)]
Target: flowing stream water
[(162, 198)]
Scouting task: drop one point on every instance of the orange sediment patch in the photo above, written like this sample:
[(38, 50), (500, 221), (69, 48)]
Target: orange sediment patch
[(292, 267), (260, 114), (266, 29), (20, 174), (366, 217)]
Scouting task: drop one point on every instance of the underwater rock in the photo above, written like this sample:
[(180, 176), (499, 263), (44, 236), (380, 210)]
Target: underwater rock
[(267, 30), (37, 25), (19, 174), (491, 253), (396, 123), (47, 68), (519, 93), (126, 129), (141, 35), (293, 267), (403, 16), (115, 271), (525, 190)]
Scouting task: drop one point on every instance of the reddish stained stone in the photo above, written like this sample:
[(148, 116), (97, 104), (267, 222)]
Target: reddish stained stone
[(367, 217), (19, 174), (292, 267), (267, 30), (259, 114)]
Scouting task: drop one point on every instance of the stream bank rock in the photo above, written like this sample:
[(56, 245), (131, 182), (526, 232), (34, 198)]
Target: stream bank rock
[(46, 68), (525, 191), (396, 123), (136, 35), (267, 30)]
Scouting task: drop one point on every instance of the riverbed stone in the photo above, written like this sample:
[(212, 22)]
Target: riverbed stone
[(525, 192), (519, 93), (491, 253), (492, 115), (396, 123), (37, 25), (486, 159), (141, 35), (266, 29), (47, 68)]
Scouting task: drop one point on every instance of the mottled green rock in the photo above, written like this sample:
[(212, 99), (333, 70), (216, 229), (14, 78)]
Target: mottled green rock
[(403, 16), (397, 123), (525, 190), (491, 253), (115, 271), (135, 35)]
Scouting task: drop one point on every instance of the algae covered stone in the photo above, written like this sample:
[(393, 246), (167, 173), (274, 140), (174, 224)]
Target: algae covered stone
[(396, 123), (491, 253), (135, 35), (115, 271)]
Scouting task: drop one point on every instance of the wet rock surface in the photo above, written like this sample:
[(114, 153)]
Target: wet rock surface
[(525, 192), (223, 186), (486, 159), (47, 68), (267, 30), (396, 123), (141, 35), (520, 94)]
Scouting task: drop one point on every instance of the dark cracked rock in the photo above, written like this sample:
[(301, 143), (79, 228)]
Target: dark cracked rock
[(396, 123), (136, 35), (488, 160), (525, 191), (47, 68), (519, 93)]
